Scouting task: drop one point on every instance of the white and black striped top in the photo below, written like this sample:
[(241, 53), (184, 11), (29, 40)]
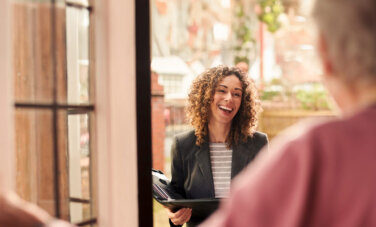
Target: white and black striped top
[(221, 157)]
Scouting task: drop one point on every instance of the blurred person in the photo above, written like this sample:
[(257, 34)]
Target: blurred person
[(243, 66), (15, 212), (324, 176), (222, 108)]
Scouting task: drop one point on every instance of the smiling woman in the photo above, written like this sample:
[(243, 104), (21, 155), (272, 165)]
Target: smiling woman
[(226, 103), (222, 108), (205, 90)]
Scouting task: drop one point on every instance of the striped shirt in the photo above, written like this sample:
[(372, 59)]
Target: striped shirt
[(221, 157)]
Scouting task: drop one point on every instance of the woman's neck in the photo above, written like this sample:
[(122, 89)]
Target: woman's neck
[(218, 132)]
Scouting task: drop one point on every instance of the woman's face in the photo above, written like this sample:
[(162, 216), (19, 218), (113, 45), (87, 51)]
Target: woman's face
[(226, 100)]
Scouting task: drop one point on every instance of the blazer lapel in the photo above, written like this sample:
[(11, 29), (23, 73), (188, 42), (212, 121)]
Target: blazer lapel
[(240, 156), (203, 160)]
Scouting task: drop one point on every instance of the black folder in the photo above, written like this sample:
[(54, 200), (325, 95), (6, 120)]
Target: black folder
[(165, 194)]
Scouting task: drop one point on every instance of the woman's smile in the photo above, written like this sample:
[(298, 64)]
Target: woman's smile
[(227, 109)]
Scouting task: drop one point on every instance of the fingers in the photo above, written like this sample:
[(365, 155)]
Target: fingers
[(187, 216), (170, 214), (181, 216)]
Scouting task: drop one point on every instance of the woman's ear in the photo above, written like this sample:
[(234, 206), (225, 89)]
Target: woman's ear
[(324, 55)]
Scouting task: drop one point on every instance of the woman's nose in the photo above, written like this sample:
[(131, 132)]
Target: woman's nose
[(228, 96)]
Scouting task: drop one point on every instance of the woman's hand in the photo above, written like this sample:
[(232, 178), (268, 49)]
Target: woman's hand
[(179, 217)]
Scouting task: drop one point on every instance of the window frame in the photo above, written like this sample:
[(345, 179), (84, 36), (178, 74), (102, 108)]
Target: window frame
[(143, 96), (111, 29), (55, 107)]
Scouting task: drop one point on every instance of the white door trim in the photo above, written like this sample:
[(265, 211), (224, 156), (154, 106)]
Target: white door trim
[(115, 72)]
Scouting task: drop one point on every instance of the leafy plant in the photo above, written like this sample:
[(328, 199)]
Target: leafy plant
[(315, 98), (269, 13), (242, 26), (269, 95), (244, 41), (309, 96)]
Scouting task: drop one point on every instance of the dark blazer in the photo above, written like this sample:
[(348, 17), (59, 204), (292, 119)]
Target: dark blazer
[(191, 168)]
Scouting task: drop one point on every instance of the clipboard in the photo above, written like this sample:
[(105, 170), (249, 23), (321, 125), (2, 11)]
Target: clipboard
[(201, 208), (164, 193)]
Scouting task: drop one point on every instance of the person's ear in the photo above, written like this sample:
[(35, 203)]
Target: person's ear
[(324, 55)]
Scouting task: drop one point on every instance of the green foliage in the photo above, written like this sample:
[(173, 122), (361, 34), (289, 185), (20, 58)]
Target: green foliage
[(270, 10), (310, 96), (244, 40), (244, 36), (315, 98), (269, 95)]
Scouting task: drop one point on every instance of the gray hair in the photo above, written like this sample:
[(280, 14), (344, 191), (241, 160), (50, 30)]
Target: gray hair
[(349, 28)]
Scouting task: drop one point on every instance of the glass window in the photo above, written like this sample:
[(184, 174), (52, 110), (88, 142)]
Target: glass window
[(77, 32), (54, 109), (80, 193), (34, 146)]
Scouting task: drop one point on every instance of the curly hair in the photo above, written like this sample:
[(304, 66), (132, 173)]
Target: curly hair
[(201, 95)]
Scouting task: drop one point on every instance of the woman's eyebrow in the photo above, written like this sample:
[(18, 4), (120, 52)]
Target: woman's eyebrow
[(237, 88)]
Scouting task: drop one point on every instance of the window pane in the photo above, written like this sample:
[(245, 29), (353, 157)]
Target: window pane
[(34, 144), (79, 166), (77, 32), (34, 47), (33, 71), (79, 156), (82, 212)]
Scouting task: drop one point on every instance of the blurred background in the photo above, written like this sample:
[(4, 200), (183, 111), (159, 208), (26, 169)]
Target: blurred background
[(272, 40)]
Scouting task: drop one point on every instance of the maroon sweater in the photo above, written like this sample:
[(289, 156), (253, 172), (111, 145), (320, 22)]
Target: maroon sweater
[(324, 177)]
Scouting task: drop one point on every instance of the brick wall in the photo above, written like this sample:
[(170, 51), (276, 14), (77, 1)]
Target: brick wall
[(158, 122)]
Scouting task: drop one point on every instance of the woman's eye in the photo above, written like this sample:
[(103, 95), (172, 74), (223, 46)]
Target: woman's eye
[(222, 91), (237, 94)]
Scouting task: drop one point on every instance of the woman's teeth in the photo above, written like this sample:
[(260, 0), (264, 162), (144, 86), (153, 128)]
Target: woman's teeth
[(225, 108)]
